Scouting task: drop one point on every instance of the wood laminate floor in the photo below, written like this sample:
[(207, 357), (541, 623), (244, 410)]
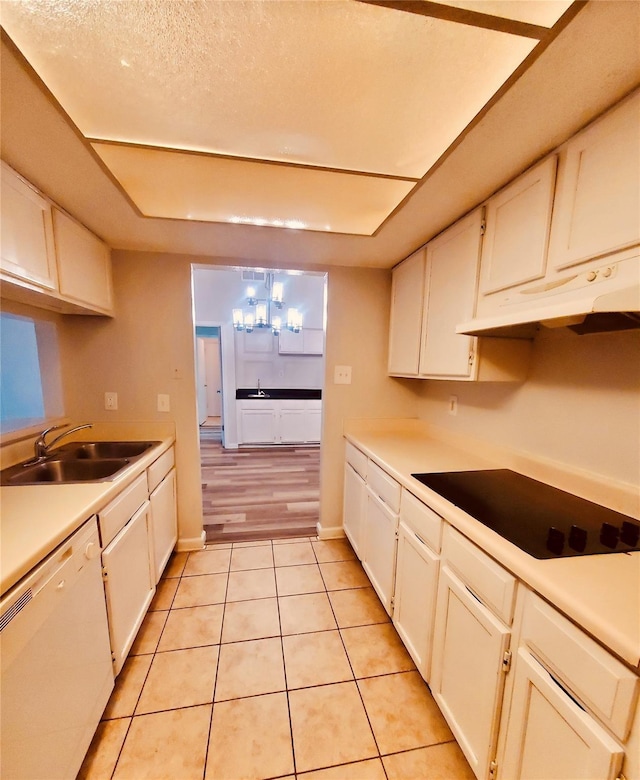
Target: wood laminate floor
[(259, 492)]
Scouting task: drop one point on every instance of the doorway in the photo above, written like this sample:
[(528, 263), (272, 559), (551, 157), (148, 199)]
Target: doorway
[(254, 490)]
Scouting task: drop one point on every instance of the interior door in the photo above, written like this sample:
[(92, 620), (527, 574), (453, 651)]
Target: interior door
[(213, 378), (201, 381)]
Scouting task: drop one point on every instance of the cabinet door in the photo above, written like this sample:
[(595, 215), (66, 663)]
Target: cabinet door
[(407, 303), (549, 735), (354, 506), (27, 247), (84, 263), (415, 597), (128, 583), (257, 426), (164, 523), (292, 425), (598, 195), (466, 678), (514, 248), (452, 268), (313, 422), (380, 545)]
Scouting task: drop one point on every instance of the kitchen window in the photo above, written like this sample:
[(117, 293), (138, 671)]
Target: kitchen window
[(30, 382)]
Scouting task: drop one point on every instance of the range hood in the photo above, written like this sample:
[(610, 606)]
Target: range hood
[(599, 299)]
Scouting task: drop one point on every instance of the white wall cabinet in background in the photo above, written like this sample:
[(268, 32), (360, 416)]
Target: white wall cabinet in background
[(598, 195), (309, 341)]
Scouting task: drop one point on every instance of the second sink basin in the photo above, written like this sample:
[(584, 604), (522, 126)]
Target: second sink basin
[(98, 450), (67, 471)]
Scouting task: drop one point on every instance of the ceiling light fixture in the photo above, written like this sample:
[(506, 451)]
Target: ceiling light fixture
[(260, 314)]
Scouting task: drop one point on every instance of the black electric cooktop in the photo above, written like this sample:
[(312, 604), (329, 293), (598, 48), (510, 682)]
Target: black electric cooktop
[(541, 520)]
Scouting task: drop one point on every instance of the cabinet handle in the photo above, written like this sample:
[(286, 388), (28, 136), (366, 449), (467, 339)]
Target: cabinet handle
[(420, 539)]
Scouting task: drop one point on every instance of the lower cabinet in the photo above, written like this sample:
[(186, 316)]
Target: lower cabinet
[(418, 563), (128, 583), (527, 694), (161, 477), (266, 421), (380, 542)]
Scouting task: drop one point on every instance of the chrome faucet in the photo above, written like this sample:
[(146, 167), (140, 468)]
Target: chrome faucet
[(42, 448), (260, 392)]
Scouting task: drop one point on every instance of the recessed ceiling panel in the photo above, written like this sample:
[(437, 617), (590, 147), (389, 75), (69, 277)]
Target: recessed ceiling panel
[(544, 13), (199, 187), (336, 83)]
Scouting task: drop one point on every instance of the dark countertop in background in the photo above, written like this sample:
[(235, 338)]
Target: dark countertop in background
[(280, 393)]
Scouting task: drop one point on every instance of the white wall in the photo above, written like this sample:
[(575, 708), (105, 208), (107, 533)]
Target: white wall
[(580, 405)]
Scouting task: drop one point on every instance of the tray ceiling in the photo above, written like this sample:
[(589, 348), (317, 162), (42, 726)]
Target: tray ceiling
[(317, 115)]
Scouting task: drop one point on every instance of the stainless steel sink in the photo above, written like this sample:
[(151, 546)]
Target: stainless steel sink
[(97, 450), (90, 461), (64, 471)]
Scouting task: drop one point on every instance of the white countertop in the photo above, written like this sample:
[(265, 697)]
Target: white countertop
[(35, 519), (601, 593)]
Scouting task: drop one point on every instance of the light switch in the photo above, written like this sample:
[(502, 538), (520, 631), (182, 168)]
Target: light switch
[(163, 403)]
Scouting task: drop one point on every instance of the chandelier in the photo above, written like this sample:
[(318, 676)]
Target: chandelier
[(259, 314)]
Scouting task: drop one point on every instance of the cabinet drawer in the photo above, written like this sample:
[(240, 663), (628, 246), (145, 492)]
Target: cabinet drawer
[(159, 469), (384, 486), (424, 522), (598, 679), (357, 459), (492, 584), (116, 514)]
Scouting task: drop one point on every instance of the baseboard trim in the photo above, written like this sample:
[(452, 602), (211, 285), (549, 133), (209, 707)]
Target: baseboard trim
[(335, 532), (192, 544)]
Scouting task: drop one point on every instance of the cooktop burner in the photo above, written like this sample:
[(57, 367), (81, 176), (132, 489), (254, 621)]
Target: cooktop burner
[(541, 520)]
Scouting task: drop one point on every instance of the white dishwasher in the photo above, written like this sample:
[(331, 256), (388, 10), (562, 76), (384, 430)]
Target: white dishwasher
[(56, 665)]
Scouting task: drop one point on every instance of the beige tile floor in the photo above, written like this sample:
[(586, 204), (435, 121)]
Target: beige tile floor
[(271, 660)]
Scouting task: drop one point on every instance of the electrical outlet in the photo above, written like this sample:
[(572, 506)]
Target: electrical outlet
[(453, 405), (163, 403), (111, 401), (342, 375)]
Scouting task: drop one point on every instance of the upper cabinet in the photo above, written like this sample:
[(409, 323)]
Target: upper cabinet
[(27, 247), (308, 341), (433, 290), (48, 259), (597, 208), (407, 299), (84, 264), (514, 249)]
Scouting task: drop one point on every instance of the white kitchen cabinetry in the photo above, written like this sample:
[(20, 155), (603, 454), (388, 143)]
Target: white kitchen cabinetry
[(161, 477), (564, 687), (380, 532), (84, 264), (355, 497), (47, 259), (598, 196), (471, 647), (126, 567), (273, 421), (407, 305), (447, 296), (309, 341), (27, 248), (418, 563), (514, 248)]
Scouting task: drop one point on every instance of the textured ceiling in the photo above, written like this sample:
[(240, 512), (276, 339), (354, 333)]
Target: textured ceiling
[(567, 81), (356, 101)]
